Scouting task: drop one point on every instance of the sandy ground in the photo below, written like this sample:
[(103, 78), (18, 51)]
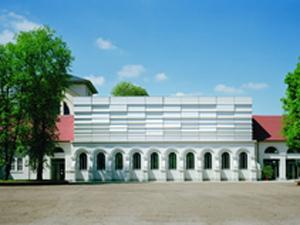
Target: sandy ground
[(152, 203)]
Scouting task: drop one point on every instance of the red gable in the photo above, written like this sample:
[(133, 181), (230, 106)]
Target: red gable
[(65, 126), (267, 128)]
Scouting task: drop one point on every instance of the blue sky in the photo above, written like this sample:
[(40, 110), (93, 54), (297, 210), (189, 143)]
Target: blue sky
[(209, 48)]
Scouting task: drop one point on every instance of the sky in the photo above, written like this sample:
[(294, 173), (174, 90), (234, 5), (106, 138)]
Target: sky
[(173, 47)]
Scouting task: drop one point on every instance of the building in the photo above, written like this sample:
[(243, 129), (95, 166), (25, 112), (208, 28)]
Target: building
[(163, 139)]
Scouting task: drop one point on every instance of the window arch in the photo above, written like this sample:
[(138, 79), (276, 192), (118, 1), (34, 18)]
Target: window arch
[(66, 109), (119, 161), (225, 160), (172, 161), (207, 161), (190, 161), (101, 161), (243, 161), (271, 150), (82, 161), (136, 161), (154, 161)]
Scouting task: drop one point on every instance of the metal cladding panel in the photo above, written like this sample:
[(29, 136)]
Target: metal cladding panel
[(127, 119)]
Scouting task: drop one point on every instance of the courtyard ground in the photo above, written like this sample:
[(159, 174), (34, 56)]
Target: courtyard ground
[(152, 203)]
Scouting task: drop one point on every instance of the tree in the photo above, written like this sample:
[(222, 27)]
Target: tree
[(12, 116), (291, 106), (128, 89), (43, 64)]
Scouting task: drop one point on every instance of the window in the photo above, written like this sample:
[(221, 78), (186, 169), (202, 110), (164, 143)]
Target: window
[(154, 163), (293, 151), (271, 150), (243, 164), (58, 150), (101, 161), (82, 161), (66, 109), (13, 164), (136, 161), (190, 161), (172, 161), (207, 161), (20, 164), (118, 161), (225, 160)]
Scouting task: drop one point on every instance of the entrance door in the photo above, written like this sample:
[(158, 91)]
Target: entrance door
[(275, 166), (292, 169), (57, 169)]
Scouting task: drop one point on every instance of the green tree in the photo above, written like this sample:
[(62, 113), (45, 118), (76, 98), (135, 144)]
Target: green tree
[(43, 64), (12, 116), (291, 106), (128, 89)]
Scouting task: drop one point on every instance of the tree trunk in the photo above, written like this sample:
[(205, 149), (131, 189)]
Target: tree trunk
[(7, 169), (40, 166)]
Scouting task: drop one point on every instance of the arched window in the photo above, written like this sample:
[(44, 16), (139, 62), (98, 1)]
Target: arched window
[(20, 164), (293, 151), (271, 150), (136, 161), (190, 161), (119, 161), (172, 161), (154, 163), (225, 160), (243, 162), (82, 161), (66, 109), (207, 161), (58, 150), (101, 161)]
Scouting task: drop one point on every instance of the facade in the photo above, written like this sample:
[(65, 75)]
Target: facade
[(163, 139)]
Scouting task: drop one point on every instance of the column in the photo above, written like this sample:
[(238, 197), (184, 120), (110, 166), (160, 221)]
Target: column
[(181, 168), (145, 169), (199, 167), (235, 169), (126, 168), (282, 168), (216, 164), (163, 168), (91, 166), (109, 168), (70, 168)]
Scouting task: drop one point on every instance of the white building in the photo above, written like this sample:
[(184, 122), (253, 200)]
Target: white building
[(162, 138)]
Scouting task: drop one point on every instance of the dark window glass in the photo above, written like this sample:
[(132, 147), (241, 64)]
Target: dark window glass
[(82, 161), (207, 161), (101, 161), (66, 109), (136, 161), (172, 161), (190, 161), (154, 163), (225, 160), (119, 161), (243, 164), (271, 150)]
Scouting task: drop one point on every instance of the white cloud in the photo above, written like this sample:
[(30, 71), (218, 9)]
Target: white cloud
[(222, 88), (13, 24), (161, 77), (131, 71), (6, 36), (255, 86), (96, 80), (181, 94), (105, 44)]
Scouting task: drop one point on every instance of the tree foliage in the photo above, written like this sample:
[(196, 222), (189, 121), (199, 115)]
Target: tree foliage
[(128, 89), (13, 123), (43, 64), (291, 105)]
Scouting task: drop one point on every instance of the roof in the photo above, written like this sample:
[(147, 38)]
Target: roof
[(88, 83), (267, 128), (65, 127)]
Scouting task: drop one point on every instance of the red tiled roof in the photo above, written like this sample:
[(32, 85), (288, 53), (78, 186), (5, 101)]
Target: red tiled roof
[(65, 126), (267, 128)]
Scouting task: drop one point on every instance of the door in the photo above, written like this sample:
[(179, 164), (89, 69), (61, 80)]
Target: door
[(274, 163), (57, 169), (292, 169)]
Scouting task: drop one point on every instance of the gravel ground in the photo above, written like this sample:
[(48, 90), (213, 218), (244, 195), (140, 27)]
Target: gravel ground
[(152, 203)]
